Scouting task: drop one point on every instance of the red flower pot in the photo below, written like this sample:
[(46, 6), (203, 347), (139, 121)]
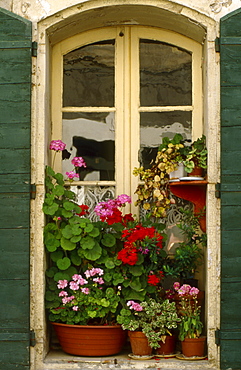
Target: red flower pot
[(86, 340), (168, 347), (193, 347), (139, 343)]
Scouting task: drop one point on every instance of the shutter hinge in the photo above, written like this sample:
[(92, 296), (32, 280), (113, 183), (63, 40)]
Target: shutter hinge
[(32, 191), (34, 48), (217, 337), (218, 190), (217, 45), (32, 338)]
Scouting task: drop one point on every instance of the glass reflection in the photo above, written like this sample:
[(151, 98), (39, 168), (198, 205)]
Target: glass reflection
[(89, 76), (156, 125), (165, 74), (91, 136)]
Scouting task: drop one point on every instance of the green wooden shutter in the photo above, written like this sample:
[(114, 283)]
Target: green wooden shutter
[(15, 90), (229, 336)]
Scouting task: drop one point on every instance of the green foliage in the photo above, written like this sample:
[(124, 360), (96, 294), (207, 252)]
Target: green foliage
[(191, 325), (155, 319), (189, 254), (196, 155)]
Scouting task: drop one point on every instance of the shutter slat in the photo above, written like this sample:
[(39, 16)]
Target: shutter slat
[(230, 195), (15, 121)]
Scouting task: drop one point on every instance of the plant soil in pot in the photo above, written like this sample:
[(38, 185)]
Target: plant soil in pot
[(139, 343), (86, 340), (168, 347), (192, 347)]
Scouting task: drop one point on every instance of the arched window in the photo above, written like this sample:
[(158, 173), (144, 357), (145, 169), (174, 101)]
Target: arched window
[(116, 92)]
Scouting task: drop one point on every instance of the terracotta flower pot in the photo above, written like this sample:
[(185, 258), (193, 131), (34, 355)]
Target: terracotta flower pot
[(193, 347), (196, 172), (85, 340), (168, 347), (139, 343)]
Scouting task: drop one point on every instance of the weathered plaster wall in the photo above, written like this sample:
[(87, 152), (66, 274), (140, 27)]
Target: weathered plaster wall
[(36, 10)]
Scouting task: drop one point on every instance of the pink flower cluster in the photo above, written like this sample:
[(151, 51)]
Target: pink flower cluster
[(77, 284), (105, 209), (94, 271), (71, 175), (185, 289), (57, 145), (134, 306), (78, 162)]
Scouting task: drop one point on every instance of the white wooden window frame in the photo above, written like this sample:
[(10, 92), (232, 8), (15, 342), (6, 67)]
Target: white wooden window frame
[(127, 102)]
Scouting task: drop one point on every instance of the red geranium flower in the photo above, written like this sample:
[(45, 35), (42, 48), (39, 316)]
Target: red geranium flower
[(153, 280), (84, 210)]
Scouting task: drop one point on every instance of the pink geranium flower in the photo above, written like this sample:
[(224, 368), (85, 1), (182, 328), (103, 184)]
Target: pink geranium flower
[(78, 162), (57, 145), (71, 175), (62, 284)]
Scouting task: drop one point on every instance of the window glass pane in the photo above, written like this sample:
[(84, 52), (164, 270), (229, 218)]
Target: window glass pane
[(91, 136), (165, 74), (89, 75), (154, 126)]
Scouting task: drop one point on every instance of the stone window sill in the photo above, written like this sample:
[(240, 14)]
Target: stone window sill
[(57, 359)]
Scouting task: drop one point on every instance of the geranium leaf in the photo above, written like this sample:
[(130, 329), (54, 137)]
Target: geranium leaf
[(52, 244), (67, 244), (136, 270), (93, 254), (109, 264), (55, 256), (87, 242), (69, 206), (108, 240), (67, 232), (64, 263), (50, 210)]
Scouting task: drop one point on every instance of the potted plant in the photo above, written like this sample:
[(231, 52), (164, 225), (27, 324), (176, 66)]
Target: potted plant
[(154, 195), (148, 322), (190, 326), (127, 254), (188, 255), (196, 157)]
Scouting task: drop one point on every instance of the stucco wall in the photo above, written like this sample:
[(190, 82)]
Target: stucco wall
[(36, 10)]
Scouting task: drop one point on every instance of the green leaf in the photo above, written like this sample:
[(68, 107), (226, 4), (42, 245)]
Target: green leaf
[(69, 206), (108, 240), (67, 232), (89, 228), (110, 264), (61, 276), (64, 263), (58, 190), (66, 214), (75, 258), (93, 254), (136, 270), (60, 178), (135, 284), (87, 242), (50, 210), (55, 256), (95, 232), (67, 244), (75, 239), (52, 244)]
